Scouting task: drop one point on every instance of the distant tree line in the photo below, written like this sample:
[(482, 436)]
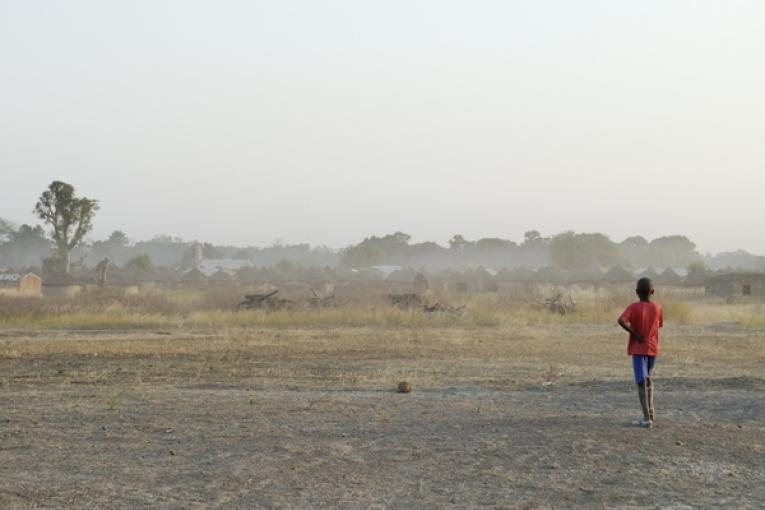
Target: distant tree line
[(68, 219), (569, 250)]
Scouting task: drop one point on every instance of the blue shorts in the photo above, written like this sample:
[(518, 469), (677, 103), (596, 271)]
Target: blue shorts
[(642, 365)]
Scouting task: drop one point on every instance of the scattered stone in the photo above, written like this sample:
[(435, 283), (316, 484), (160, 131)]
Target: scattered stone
[(404, 387)]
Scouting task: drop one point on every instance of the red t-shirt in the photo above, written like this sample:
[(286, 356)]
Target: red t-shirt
[(646, 318)]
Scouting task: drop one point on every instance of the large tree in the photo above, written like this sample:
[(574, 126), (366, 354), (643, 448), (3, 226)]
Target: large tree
[(140, 263), (458, 242), (115, 248), (582, 252), (363, 255), (70, 218), (5, 228), (25, 247), (531, 236), (674, 251)]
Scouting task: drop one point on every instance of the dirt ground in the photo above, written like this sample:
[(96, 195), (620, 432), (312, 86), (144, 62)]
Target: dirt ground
[(527, 418)]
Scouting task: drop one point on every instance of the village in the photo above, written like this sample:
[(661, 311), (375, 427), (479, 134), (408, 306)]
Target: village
[(67, 263), (239, 274)]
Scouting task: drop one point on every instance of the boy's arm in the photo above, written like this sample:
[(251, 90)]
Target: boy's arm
[(629, 329)]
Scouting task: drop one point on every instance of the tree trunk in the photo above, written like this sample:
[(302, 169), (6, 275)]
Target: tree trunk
[(66, 260)]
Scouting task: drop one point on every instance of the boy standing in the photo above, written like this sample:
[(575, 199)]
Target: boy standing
[(642, 320)]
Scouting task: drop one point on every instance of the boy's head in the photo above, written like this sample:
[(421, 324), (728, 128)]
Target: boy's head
[(644, 289)]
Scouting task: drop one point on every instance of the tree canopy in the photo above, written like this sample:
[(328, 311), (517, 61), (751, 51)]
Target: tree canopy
[(140, 263), (362, 256), (5, 228), (70, 218), (582, 252)]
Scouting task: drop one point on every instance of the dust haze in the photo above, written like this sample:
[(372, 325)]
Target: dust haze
[(324, 124), (400, 254)]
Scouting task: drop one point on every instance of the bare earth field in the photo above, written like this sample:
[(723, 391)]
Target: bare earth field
[(535, 416)]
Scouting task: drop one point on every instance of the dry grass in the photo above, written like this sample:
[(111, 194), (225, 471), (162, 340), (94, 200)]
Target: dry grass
[(189, 309), (746, 314), (492, 329), (378, 356)]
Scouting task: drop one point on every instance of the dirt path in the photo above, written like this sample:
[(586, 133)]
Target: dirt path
[(200, 445), (308, 419)]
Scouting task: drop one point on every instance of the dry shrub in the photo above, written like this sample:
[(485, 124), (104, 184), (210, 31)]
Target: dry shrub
[(219, 299), (107, 302), (11, 307), (151, 302)]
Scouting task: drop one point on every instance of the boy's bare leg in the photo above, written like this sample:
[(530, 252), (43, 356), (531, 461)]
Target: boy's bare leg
[(649, 399), (643, 394)]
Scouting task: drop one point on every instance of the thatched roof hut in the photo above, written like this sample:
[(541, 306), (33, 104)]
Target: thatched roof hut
[(550, 274), (61, 286), (21, 284), (130, 280), (246, 275), (649, 272), (221, 277), (446, 274), (481, 279), (517, 274), (316, 275), (264, 279), (403, 275), (591, 276), (193, 277), (618, 274), (695, 279), (669, 277), (270, 275), (166, 275), (736, 285)]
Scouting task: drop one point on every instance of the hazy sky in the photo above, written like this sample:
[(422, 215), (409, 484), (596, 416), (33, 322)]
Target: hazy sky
[(326, 121)]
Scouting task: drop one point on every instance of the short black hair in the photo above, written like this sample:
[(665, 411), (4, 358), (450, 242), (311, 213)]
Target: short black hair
[(644, 287)]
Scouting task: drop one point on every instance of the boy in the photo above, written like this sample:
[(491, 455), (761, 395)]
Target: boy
[(642, 320)]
